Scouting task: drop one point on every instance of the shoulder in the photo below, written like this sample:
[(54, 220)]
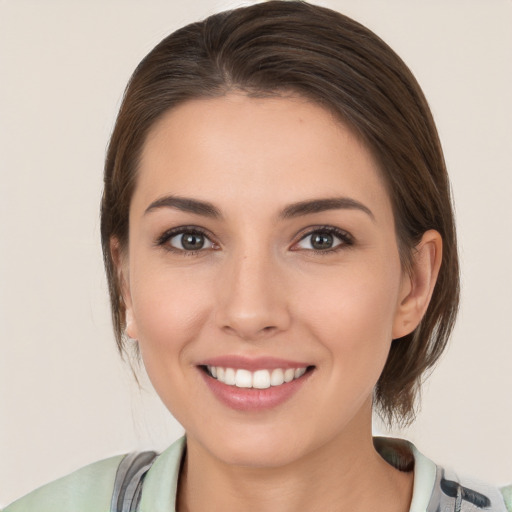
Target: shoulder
[(469, 494), (507, 496), (93, 488), (449, 491), (437, 488), (85, 490)]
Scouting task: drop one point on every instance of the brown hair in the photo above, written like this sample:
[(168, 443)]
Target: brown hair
[(292, 46)]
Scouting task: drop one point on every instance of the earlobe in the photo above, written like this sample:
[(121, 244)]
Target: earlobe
[(418, 285), (130, 329), (120, 261)]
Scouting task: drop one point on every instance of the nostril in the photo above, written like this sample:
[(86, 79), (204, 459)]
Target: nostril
[(250, 333)]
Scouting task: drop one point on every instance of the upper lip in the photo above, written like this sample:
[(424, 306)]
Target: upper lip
[(252, 363)]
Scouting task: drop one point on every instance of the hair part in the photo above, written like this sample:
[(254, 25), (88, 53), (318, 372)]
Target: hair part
[(281, 47)]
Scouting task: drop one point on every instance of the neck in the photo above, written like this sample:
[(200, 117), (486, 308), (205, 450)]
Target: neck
[(344, 474)]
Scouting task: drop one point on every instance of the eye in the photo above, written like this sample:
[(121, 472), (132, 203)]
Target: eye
[(190, 242), (185, 240), (325, 239)]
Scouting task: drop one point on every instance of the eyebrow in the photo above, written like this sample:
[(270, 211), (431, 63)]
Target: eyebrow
[(301, 208), (186, 204), (322, 205)]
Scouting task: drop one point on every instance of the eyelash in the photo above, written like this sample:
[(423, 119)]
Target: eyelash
[(171, 233), (345, 238)]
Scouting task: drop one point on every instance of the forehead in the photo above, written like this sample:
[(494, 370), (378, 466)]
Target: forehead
[(267, 149)]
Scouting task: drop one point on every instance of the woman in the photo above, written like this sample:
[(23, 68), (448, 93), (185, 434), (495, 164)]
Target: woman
[(279, 239)]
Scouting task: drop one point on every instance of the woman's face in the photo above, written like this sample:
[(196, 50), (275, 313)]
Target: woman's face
[(261, 246)]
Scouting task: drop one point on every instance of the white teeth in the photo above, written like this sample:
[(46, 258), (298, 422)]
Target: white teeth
[(289, 375), (243, 379), (276, 377), (260, 379), (230, 377), (299, 372)]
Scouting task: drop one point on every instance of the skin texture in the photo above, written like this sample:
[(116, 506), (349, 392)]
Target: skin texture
[(257, 288)]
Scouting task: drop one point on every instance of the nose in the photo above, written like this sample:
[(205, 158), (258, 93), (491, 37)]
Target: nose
[(252, 302)]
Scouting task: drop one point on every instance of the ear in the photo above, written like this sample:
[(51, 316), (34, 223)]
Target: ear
[(418, 284), (121, 264)]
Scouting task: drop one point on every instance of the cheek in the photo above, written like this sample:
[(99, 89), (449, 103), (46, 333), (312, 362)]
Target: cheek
[(352, 313), (169, 309), (169, 312)]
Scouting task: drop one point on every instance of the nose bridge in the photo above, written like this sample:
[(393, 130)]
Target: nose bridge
[(252, 302)]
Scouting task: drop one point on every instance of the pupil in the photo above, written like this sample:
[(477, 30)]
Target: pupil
[(192, 241), (322, 241)]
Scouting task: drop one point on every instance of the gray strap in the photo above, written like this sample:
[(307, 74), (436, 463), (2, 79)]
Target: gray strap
[(450, 495), (128, 483)]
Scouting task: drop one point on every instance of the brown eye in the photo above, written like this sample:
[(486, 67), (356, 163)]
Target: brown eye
[(190, 241), (324, 239), (321, 241)]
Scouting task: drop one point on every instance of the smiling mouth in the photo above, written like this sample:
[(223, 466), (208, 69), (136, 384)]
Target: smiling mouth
[(259, 379)]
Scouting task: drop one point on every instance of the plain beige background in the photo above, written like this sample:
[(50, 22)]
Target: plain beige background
[(65, 397)]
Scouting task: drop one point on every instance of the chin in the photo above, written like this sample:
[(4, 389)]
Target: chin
[(261, 456), (257, 446)]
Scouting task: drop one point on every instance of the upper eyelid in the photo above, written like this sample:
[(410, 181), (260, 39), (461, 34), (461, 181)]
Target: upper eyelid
[(172, 232), (342, 233)]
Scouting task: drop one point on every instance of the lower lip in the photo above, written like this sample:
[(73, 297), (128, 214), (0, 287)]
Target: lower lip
[(251, 399)]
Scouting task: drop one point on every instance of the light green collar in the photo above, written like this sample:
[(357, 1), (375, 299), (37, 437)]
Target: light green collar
[(166, 468)]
